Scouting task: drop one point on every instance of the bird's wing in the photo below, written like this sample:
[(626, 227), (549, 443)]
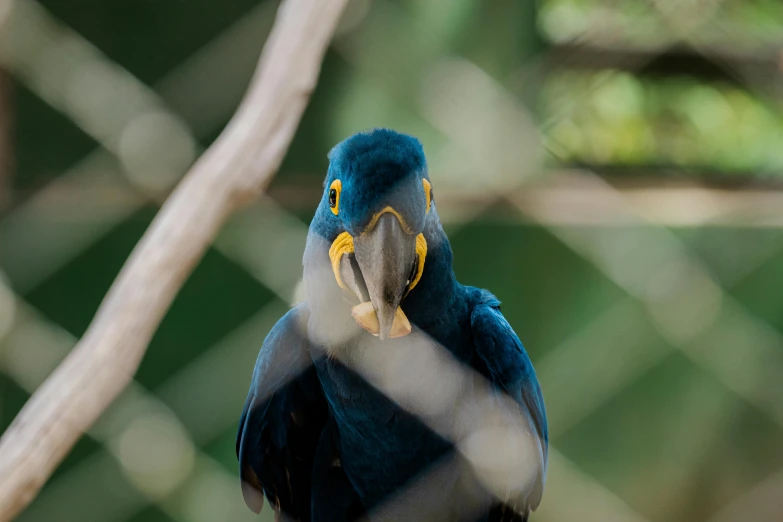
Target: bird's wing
[(282, 420), (508, 366)]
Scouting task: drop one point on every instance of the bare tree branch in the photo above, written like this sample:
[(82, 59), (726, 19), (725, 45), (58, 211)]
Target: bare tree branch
[(237, 166)]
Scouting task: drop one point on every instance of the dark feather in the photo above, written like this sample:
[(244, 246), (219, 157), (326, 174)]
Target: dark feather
[(282, 422), (508, 367)]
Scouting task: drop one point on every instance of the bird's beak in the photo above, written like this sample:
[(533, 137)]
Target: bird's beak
[(386, 256)]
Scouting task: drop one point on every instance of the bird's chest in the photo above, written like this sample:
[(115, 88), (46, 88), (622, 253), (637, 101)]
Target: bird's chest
[(381, 445)]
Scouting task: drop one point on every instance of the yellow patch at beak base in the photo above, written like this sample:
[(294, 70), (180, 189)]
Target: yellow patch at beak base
[(421, 252), (342, 245)]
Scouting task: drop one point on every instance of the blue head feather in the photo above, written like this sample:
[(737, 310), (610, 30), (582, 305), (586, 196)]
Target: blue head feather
[(382, 168), (377, 168)]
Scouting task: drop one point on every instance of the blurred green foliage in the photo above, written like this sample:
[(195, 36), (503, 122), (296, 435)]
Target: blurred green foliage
[(743, 23), (616, 118)]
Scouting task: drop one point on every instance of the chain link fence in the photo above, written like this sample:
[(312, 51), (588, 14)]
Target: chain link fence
[(620, 172)]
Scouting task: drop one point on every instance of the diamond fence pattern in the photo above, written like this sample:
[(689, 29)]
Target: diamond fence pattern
[(668, 360)]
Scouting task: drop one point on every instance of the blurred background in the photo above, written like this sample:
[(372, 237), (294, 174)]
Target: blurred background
[(611, 169)]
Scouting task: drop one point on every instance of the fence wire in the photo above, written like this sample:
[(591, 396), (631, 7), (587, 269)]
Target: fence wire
[(152, 442)]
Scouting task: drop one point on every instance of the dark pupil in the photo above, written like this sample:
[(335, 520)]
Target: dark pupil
[(332, 198)]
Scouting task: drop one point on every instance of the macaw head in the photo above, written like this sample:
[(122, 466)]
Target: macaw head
[(376, 199)]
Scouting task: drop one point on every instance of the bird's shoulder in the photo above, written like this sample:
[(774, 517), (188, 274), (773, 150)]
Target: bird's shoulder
[(505, 362), (494, 339), (501, 354), (282, 418), (285, 349)]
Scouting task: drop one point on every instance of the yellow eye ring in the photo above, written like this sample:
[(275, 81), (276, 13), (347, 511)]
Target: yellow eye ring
[(427, 193), (334, 196)]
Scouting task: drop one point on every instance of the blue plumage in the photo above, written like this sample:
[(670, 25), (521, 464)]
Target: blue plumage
[(378, 168), (315, 437)]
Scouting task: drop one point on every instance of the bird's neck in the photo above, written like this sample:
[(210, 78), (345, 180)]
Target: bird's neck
[(434, 305)]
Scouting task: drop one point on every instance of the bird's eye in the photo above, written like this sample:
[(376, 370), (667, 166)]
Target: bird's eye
[(427, 193), (334, 196)]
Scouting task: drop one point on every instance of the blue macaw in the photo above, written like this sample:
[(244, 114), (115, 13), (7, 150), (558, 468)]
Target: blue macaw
[(316, 437)]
